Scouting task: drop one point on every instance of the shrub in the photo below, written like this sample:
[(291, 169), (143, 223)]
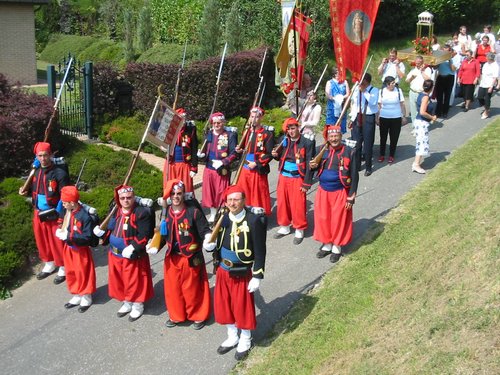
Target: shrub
[(23, 120), (168, 54), (107, 85), (102, 50), (60, 45)]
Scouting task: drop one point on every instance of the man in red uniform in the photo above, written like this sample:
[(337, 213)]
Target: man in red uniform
[(128, 232), (259, 143), (48, 180), (77, 235), (294, 153), (338, 183), (241, 254), (184, 163), (187, 294), (221, 143)]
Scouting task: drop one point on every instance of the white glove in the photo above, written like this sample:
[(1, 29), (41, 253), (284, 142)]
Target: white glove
[(145, 202), (160, 201), (152, 250), (127, 252), (253, 285), (61, 234), (192, 174), (98, 231), (209, 246), (200, 154), (217, 164)]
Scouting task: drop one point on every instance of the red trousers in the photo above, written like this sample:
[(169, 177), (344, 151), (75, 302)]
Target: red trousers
[(213, 188), (256, 188), (80, 269), (332, 221), (233, 304), (50, 248), (291, 202), (130, 280), (180, 171), (187, 294)]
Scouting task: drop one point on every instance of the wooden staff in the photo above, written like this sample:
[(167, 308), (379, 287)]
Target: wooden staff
[(25, 188), (206, 128), (105, 222)]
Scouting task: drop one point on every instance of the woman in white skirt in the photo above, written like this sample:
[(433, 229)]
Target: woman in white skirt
[(425, 117)]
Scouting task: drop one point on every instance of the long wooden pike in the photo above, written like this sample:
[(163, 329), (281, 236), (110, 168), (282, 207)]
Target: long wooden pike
[(25, 188)]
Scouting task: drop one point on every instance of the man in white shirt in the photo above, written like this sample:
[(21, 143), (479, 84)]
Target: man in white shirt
[(364, 109), (416, 78), (392, 67)]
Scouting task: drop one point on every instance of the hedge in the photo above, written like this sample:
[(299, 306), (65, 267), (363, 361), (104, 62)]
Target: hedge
[(169, 54)]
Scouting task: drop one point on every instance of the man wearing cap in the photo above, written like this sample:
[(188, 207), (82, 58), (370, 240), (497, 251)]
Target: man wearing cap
[(48, 180), (221, 143), (184, 163), (241, 252), (364, 112), (128, 232), (187, 294), (338, 183), (259, 143), (77, 234), (294, 153)]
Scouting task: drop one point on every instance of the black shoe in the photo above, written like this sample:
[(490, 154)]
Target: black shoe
[(59, 279), (225, 349), (368, 172), (277, 236), (122, 314), (82, 309), (466, 109), (43, 275), (297, 240), (322, 253), (334, 258), (69, 305), (239, 356), (131, 319), (198, 325), (170, 323)]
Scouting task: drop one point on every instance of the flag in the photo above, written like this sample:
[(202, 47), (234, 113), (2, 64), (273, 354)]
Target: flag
[(291, 75), (352, 26), (164, 126)]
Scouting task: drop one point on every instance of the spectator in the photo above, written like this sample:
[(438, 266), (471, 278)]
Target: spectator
[(464, 40), (424, 117), (489, 80), (445, 82), (416, 78), (468, 76), (489, 34), (435, 44), (391, 66), (311, 115), (392, 110), (482, 50), (336, 93)]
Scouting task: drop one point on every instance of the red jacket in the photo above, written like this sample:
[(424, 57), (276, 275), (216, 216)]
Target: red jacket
[(469, 71)]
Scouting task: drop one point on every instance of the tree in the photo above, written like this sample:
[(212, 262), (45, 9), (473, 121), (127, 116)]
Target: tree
[(144, 29), (234, 36), (128, 32), (209, 30)]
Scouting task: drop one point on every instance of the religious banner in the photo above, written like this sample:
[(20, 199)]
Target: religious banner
[(287, 7), (165, 127), (296, 37), (352, 26)]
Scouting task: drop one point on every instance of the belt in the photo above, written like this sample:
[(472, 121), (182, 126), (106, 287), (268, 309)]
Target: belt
[(293, 173), (114, 250), (229, 263)]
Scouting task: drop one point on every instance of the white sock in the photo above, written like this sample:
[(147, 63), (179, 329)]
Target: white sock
[(284, 229), (232, 336), (75, 300), (61, 272), (327, 247), (137, 309), (299, 233), (245, 340), (336, 249), (86, 300), (49, 267), (126, 307)]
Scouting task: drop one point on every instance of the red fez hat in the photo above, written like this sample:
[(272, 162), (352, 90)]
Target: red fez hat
[(70, 194), (233, 189), (259, 110), (217, 116), (170, 186), (331, 129), (288, 122), (42, 147), (181, 112), (120, 190)]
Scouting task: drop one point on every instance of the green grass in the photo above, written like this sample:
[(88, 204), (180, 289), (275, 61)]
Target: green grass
[(420, 296)]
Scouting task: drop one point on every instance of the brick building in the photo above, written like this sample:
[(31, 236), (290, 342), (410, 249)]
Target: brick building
[(17, 40)]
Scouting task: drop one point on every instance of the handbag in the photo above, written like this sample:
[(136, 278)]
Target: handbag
[(48, 215)]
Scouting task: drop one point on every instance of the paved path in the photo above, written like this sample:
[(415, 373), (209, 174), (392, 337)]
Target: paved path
[(38, 336)]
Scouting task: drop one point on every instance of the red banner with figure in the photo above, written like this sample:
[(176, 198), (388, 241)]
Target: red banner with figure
[(295, 37), (352, 26)]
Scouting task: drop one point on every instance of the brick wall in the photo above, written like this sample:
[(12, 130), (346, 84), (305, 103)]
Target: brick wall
[(17, 43)]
